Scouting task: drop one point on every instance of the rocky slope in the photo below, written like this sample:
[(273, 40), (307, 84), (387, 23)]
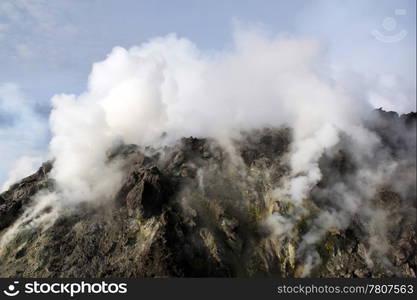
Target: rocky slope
[(197, 209)]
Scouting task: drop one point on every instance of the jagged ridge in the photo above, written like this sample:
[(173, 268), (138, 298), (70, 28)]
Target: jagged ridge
[(166, 221)]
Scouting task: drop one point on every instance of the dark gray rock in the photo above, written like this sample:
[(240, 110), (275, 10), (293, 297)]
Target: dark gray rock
[(187, 211)]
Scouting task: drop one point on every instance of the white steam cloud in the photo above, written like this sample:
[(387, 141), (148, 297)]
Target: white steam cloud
[(169, 86)]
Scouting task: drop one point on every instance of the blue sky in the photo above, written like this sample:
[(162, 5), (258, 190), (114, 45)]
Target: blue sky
[(48, 47)]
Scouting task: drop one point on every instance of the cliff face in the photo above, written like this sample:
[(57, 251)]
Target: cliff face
[(197, 209)]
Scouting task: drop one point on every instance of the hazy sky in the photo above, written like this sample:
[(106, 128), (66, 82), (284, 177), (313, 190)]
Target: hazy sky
[(47, 47)]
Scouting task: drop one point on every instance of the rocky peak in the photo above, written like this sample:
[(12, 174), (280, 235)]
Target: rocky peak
[(191, 210)]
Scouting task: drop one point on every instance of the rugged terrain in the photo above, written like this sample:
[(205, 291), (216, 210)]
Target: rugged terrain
[(196, 209)]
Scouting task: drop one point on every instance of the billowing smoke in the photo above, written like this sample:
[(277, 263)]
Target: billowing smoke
[(167, 88)]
